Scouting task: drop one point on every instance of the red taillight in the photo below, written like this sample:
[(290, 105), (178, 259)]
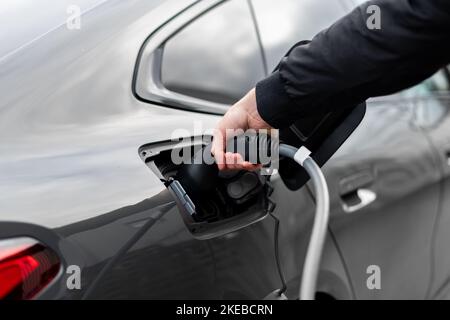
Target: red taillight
[(26, 267)]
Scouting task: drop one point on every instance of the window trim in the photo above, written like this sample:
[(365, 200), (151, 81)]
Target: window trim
[(147, 83)]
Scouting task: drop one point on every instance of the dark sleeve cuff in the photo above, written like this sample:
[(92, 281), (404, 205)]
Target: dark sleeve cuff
[(273, 103)]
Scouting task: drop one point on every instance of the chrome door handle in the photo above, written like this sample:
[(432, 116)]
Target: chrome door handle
[(364, 198)]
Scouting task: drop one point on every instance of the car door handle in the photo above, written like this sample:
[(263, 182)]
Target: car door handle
[(447, 157), (356, 192), (357, 200)]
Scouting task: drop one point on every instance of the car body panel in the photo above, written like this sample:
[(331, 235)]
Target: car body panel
[(394, 232), (70, 131), (92, 125), (438, 131), (78, 161)]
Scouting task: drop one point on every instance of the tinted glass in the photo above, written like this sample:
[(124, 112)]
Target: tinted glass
[(216, 57), (437, 84), (283, 23)]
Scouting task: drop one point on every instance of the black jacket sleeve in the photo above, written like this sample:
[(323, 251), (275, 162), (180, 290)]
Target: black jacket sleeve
[(349, 62)]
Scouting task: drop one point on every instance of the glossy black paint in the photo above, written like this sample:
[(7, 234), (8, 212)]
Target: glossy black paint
[(71, 177)]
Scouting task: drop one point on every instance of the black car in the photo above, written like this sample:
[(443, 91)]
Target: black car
[(88, 118)]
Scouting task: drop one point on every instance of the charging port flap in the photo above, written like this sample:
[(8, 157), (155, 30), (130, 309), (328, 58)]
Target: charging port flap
[(237, 200)]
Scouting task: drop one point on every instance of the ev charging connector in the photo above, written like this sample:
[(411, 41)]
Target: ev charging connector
[(198, 176)]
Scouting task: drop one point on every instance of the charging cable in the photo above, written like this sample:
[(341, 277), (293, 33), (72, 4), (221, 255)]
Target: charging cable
[(199, 179), (319, 232), (317, 240)]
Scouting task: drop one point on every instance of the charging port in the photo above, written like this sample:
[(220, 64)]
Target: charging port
[(238, 199)]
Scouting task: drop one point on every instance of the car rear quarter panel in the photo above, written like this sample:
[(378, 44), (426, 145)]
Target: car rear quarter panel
[(70, 130)]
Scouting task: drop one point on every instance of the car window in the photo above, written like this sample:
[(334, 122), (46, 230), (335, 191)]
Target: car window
[(429, 99), (217, 57), (283, 23), (437, 84)]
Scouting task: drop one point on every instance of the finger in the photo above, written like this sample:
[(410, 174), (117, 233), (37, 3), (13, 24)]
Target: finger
[(234, 160), (220, 159), (250, 166), (238, 158), (238, 161), (230, 161), (217, 148)]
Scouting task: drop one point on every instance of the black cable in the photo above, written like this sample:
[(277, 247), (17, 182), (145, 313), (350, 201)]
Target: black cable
[(277, 254)]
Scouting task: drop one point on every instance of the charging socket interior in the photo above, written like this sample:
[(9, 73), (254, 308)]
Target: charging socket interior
[(239, 199)]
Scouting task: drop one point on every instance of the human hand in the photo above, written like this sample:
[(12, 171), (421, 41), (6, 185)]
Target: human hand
[(242, 115)]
